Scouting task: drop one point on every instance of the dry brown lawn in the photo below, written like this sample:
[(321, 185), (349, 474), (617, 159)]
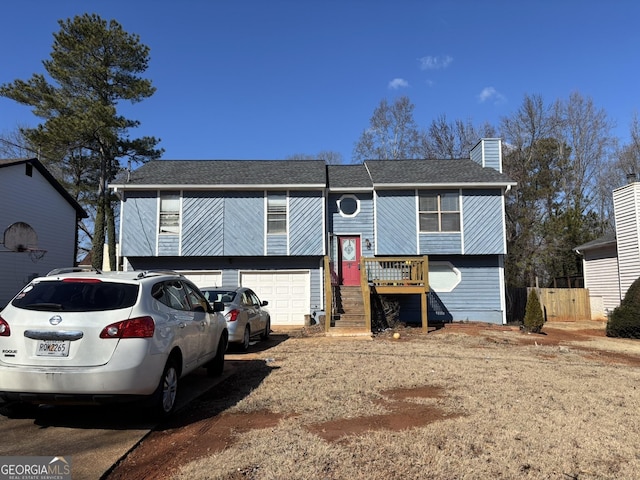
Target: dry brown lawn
[(467, 402)]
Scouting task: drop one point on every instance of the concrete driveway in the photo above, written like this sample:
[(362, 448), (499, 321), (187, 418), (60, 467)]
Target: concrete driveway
[(93, 438)]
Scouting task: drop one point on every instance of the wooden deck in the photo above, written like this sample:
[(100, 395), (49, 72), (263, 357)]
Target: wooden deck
[(385, 276)]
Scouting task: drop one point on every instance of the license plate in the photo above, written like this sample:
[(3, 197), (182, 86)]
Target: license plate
[(53, 348)]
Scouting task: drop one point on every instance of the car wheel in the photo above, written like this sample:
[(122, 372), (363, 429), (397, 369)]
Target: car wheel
[(216, 366), (246, 339), (267, 330), (167, 391)]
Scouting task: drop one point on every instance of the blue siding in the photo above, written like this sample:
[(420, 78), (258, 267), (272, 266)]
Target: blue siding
[(168, 245), (139, 213), (277, 244), (362, 223), (244, 221), (202, 223), (306, 225), (482, 222), (440, 243), (477, 298), (396, 223), (488, 153), (492, 153), (476, 154)]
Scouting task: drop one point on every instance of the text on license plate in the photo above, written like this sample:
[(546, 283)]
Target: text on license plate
[(53, 348)]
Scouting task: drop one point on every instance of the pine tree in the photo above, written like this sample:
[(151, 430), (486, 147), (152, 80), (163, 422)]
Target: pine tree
[(94, 66)]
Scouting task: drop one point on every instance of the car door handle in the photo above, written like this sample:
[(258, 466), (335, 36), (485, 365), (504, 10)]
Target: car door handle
[(203, 324), (182, 324)]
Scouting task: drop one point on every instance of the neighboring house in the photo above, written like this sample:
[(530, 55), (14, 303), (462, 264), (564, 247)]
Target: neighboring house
[(601, 275), (38, 218), (272, 225), (612, 263)]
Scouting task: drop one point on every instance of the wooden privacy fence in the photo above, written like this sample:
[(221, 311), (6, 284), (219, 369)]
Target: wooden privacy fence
[(558, 304)]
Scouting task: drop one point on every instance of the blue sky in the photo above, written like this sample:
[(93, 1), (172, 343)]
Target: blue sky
[(258, 79)]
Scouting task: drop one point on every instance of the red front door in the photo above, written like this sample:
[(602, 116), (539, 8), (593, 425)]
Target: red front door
[(349, 260)]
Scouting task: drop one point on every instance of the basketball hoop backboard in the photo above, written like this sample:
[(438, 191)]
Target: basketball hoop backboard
[(20, 237)]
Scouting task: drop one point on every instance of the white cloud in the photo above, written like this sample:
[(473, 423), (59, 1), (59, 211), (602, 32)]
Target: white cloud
[(435, 63), (490, 94), (397, 83)]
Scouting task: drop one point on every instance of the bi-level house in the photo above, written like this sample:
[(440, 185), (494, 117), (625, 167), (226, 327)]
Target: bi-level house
[(300, 233)]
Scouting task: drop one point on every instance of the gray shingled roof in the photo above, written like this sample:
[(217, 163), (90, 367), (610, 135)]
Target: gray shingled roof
[(276, 173), (228, 172), (604, 241), (417, 172), (348, 177)]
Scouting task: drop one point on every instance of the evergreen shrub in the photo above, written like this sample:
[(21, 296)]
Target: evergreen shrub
[(533, 317), (625, 320)]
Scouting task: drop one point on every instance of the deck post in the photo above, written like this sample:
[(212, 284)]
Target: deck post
[(423, 297)]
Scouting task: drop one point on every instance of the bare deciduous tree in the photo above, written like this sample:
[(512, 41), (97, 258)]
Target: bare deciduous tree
[(392, 133)]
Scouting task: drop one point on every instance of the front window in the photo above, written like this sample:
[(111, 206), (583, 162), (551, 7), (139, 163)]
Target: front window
[(439, 211), (276, 213), (169, 212)]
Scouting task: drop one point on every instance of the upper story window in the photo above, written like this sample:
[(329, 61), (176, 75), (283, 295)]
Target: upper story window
[(348, 206), (276, 212), (169, 212), (439, 210)]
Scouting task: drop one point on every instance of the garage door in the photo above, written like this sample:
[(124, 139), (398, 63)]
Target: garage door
[(288, 294), (203, 278)]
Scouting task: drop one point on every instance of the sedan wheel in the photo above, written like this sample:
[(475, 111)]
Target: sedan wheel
[(216, 366), (246, 339), (267, 330)]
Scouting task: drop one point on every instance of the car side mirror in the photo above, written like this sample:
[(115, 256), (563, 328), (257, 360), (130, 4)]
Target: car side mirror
[(218, 306), (264, 303)]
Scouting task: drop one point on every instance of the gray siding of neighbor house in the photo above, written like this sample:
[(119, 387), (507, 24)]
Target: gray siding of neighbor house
[(626, 202), (202, 223), (33, 200), (362, 223), (244, 220), (483, 225), (139, 213), (601, 277), (231, 266), (396, 223), (306, 223)]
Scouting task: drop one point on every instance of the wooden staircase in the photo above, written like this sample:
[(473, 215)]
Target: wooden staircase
[(349, 317)]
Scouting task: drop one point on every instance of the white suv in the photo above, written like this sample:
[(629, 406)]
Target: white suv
[(98, 337)]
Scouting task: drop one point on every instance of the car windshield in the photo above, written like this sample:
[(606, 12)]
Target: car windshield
[(225, 296), (76, 295)]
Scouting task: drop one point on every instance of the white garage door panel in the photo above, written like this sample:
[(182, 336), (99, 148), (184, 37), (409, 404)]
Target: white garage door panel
[(203, 279), (288, 294)]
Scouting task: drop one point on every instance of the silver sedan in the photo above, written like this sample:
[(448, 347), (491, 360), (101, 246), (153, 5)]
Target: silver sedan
[(244, 312)]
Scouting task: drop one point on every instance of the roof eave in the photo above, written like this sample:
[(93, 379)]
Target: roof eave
[(234, 186), (381, 186)]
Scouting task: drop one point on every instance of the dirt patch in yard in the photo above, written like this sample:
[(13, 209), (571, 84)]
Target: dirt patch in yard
[(205, 427)]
